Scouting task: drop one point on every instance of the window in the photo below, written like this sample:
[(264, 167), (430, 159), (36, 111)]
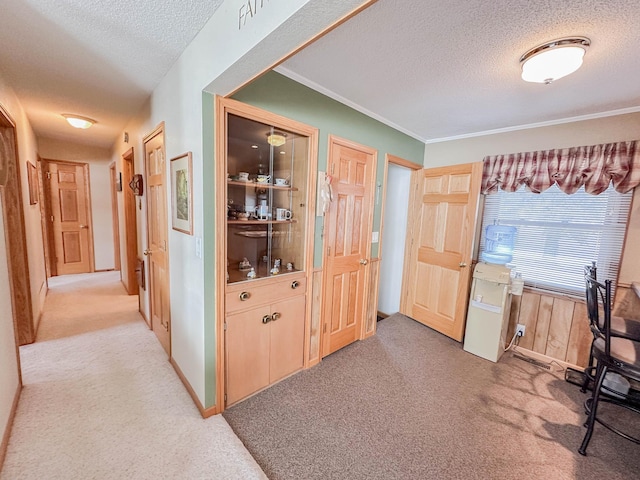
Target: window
[(558, 234)]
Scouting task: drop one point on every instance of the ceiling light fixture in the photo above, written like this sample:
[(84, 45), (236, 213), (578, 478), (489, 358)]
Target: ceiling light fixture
[(276, 138), (77, 121), (553, 60)]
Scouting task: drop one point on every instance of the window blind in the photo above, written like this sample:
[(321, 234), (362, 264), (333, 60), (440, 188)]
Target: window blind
[(558, 234)]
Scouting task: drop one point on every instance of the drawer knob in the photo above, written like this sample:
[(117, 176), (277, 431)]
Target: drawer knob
[(275, 316), (266, 319), (295, 284), (244, 296)]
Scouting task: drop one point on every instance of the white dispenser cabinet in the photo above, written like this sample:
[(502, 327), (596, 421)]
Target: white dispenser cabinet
[(489, 309)]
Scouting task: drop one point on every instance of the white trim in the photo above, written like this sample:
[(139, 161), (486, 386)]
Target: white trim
[(329, 93), (548, 123)]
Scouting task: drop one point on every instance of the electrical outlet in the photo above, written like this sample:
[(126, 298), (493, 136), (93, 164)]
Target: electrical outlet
[(520, 328)]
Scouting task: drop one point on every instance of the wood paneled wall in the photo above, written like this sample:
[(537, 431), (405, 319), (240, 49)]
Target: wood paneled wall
[(556, 326)]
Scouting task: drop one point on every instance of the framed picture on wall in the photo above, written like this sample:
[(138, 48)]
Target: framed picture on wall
[(182, 194), (32, 176)]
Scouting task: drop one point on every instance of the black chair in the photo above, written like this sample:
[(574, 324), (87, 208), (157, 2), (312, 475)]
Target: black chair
[(613, 355), (620, 327)]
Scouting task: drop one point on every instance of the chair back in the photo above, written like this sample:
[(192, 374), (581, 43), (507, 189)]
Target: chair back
[(598, 294)]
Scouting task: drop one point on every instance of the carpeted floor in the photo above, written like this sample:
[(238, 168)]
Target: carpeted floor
[(101, 401), (409, 403)]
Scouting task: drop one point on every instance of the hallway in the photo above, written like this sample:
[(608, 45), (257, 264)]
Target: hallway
[(101, 401)]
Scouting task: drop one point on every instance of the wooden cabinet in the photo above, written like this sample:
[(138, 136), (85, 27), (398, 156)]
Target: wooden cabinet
[(264, 345), (266, 216)]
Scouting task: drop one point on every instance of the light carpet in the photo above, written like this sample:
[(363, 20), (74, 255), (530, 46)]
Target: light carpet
[(101, 401), (409, 403)]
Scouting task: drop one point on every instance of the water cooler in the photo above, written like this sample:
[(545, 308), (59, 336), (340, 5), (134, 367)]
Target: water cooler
[(489, 309), (490, 299)]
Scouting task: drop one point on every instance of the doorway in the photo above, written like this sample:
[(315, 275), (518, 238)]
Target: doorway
[(348, 228), (398, 181), (113, 182), (157, 251), (13, 217), (130, 224), (68, 197)]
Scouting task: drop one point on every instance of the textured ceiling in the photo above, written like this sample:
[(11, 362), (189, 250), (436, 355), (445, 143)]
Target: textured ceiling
[(433, 69), (444, 69), (96, 59)]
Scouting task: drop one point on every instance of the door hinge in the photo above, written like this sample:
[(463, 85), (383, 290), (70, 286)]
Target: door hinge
[(48, 175), (333, 165), (324, 329), (225, 399), (52, 218), (225, 326), (328, 251)]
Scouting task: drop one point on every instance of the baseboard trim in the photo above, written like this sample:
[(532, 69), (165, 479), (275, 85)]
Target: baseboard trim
[(105, 270), (382, 314), (205, 412), (7, 431), (545, 358)]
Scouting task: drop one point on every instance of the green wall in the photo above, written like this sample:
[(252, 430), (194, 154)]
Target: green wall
[(279, 94)]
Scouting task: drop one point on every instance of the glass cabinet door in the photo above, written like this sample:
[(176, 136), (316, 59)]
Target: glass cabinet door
[(267, 169)]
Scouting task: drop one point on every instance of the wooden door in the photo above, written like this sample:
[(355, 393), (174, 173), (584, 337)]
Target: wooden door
[(130, 225), (348, 225), (438, 262), (287, 338), (247, 340), (157, 250), (70, 209)]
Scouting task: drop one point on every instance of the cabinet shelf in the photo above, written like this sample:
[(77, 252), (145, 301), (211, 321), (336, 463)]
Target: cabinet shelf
[(257, 222), (262, 185)]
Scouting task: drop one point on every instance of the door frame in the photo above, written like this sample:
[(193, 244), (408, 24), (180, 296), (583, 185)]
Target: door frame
[(87, 192), (115, 218), (130, 225), (13, 217), (334, 139), (415, 172)]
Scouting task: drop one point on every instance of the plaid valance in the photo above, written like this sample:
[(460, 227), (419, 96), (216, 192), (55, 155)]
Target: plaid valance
[(593, 166)]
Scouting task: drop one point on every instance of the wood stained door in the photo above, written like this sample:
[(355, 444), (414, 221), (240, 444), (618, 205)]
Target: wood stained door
[(348, 225), (444, 208), (71, 221), (157, 250)]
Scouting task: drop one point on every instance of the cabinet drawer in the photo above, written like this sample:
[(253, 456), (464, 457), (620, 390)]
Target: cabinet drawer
[(266, 293)]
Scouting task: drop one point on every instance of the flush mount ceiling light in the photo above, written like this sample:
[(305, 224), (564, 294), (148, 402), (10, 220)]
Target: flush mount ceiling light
[(553, 60), (77, 121), (276, 138)]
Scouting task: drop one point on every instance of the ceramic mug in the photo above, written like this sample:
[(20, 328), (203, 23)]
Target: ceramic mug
[(283, 214), (262, 212), (282, 182), (243, 176), (263, 178)]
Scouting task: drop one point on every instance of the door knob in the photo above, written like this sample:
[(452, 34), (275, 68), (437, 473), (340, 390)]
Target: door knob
[(84, 226), (146, 252), (462, 264), (364, 261)]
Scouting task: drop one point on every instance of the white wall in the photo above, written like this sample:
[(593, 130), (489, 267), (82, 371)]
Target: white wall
[(394, 235), (221, 58), (98, 160), (610, 129)]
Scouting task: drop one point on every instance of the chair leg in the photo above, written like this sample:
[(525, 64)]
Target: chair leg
[(601, 371), (585, 384)]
